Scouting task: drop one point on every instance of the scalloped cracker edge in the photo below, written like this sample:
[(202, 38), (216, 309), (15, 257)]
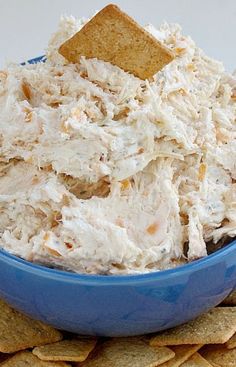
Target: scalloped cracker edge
[(216, 326), (74, 350)]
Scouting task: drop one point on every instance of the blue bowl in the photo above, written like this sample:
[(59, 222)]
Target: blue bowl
[(117, 305)]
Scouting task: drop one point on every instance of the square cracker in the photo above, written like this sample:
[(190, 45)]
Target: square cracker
[(218, 355), (182, 353), (230, 300), (196, 361), (128, 352), (214, 327), (18, 331), (27, 359), (74, 350), (231, 343), (111, 35)]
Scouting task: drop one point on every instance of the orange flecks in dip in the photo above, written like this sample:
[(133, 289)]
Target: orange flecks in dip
[(191, 67), (182, 92), (35, 180), (141, 150), (49, 250), (125, 184), (64, 127), (65, 200), (48, 168), (184, 218), (202, 172), (122, 114), (53, 252), (29, 160), (57, 217), (28, 114), (68, 245), (3, 74), (233, 96), (46, 237), (179, 50), (153, 228), (26, 90)]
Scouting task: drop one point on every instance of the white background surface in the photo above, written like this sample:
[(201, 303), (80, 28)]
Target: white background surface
[(25, 25)]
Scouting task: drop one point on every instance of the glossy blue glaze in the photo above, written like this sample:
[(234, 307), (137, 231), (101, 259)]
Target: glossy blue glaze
[(117, 305), (36, 60)]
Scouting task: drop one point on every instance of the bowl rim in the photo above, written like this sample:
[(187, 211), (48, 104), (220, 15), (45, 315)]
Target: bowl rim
[(58, 274)]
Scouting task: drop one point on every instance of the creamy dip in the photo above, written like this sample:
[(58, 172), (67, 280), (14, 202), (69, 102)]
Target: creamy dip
[(101, 172)]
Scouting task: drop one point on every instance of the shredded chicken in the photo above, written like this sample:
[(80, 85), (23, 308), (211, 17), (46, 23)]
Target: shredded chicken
[(101, 172)]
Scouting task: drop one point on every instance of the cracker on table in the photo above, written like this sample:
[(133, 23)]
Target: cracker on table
[(219, 355), (182, 353), (230, 300), (18, 331), (128, 352), (74, 350), (27, 359), (214, 327), (111, 35), (231, 343), (196, 361)]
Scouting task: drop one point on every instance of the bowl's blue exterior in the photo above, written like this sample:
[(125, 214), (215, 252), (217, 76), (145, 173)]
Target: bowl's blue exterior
[(117, 305), (36, 60)]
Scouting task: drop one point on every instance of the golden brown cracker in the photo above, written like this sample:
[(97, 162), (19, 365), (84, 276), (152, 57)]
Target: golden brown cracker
[(111, 35), (74, 350), (27, 359), (18, 331), (182, 353), (214, 327), (231, 343), (196, 361), (128, 352), (219, 355)]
